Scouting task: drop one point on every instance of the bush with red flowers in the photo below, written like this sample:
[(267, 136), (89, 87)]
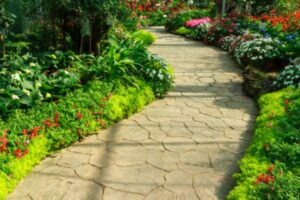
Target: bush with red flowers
[(280, 23)]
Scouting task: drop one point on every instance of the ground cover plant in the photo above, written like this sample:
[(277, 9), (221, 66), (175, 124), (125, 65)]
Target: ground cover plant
[(270, 168)]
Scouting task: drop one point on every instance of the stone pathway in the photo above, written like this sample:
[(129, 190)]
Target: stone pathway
[(184, 147)]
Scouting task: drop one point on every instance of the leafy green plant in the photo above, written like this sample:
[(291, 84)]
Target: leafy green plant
[(183, 31), (144, 36)]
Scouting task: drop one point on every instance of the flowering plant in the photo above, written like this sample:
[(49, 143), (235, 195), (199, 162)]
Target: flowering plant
[(221, 28), (283, 23), (258, 52), (290, 76), (157, 73), (225, 42), (196, 22), (201, 31)]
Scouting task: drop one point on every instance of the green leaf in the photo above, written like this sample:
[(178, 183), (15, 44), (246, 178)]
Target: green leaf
[(26, 101), (27, 85)]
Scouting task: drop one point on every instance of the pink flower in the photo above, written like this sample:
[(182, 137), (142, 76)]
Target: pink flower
[(196, 22)]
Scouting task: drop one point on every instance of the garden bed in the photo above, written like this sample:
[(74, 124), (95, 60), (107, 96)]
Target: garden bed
[(266, 48), (51, 99)]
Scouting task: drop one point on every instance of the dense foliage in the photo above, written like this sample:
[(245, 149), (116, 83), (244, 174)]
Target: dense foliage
[(270, 168)]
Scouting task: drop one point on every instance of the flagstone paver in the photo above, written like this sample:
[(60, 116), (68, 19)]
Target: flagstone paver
[(183, 147)]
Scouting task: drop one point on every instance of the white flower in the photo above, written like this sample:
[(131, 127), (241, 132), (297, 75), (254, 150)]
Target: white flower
[(160, 76), (16, 77), (15, 97)]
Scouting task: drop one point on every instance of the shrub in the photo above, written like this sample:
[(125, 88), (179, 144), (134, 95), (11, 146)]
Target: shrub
[(183, 31), (290, 76), (225, 42), (260, 52), (144, 36), (270, 167), (201, 31), (221, 28), (158, 74), (277, 184)]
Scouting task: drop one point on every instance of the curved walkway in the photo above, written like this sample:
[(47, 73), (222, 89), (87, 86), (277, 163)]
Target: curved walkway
[(184, 147)]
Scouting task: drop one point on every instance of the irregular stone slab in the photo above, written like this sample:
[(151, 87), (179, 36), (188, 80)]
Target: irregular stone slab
[(181, 183), (161, 194), (110, 194), (73, 160), (195, 158), (164, 160), (179, 144), (141, 179), (83, 190), (176, 131), (211, 186)]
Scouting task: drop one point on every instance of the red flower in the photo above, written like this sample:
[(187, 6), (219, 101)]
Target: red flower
[(25, 132), (140, 8), (264, 178), (79, 116), (34, 132), (4, 141), (286, 102), (18, 153), (48, 123)]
